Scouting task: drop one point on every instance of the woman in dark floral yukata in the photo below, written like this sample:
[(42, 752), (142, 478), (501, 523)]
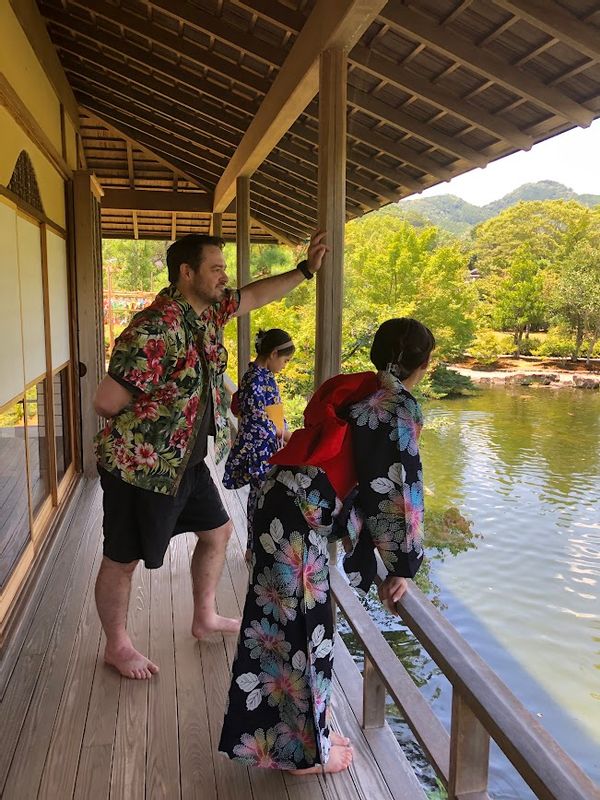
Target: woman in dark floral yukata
[(352, 472)]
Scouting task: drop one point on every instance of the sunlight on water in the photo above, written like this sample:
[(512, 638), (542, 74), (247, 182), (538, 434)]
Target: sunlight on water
[(524, 467)]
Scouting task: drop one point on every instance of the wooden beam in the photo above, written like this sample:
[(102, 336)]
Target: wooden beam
[(275, 13), (177, 157), (243, 269), (206, 59), (130, 169), (282, 238), (216, 224), (207, 157), (134, 222), (425, 30), (178, 106), (146, 150), (413, 84), (331, 208), (398, 118), (558, 22), (155, 200), (173, 226), (200, 20), (32, 22), (28, 123), (88, 270), (332, 23)]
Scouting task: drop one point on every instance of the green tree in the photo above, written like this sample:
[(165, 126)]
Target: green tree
[(520, 303), (136, 265), (574, 288), (542, 226), (392, 270)]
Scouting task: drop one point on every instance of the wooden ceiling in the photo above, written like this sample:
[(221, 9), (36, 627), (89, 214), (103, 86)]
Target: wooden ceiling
[(168, 89)]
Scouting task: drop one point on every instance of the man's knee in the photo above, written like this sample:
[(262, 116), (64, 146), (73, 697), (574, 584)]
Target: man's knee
[(108, 565), (223, 533)]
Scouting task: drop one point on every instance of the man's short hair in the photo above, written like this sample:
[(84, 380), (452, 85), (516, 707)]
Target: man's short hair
[(188, 250)]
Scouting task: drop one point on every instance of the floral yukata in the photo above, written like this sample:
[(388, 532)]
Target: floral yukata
[(277, 715), (256, 440)]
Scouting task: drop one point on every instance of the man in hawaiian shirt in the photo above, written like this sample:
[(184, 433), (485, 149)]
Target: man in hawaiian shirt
[(163, 396)]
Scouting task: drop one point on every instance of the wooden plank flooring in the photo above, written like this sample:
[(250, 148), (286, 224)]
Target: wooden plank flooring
[(71, 728)]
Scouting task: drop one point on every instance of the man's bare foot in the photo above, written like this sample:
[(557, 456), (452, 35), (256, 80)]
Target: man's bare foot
[(340, 759), (215, 624), (339, 740), (130, 663)]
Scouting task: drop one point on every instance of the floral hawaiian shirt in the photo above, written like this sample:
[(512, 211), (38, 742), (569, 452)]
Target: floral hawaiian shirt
[(173, 358)]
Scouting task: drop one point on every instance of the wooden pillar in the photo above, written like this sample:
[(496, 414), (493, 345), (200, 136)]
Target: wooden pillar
[(331, 211), (88, 273), (469, 752), (243, 268), (216, 224), (373, 696)]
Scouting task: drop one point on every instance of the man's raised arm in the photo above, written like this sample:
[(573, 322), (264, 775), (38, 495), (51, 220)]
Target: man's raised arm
[(259, 293)]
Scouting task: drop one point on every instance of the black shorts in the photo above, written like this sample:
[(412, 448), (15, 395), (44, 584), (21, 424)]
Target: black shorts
[(139, 524)]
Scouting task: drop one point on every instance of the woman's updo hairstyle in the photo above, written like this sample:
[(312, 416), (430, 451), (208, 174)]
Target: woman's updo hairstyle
[(274, 339), (404, 343)]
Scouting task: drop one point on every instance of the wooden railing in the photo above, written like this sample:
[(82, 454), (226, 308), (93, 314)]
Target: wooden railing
[(483, 707)]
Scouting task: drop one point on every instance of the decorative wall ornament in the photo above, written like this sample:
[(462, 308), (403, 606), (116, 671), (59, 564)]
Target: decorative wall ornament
[(23, 182)]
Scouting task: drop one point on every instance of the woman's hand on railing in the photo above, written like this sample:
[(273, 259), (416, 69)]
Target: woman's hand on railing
[(391, 591)]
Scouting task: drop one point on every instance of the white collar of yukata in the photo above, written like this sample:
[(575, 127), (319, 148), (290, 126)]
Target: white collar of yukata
[(389, 379)]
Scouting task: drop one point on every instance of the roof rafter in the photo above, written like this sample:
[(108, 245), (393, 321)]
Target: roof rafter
[(173, 165), (412, 83), (396, 117), (556, 21), (332, 23), (424, 29)]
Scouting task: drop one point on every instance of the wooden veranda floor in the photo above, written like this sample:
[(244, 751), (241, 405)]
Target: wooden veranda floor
[(71, 728)]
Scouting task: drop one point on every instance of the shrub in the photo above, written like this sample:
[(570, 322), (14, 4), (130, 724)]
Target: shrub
[(486, 349), (529, 346), (555, 345), (444, 382)]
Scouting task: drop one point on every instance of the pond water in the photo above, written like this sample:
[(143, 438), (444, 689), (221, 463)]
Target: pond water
[(523, 466)]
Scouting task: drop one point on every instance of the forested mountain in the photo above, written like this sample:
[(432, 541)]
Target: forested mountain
[(457, 216)]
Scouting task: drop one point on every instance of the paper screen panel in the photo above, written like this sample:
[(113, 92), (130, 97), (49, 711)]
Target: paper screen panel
[(58, 291), (32, 297), (11, 345)]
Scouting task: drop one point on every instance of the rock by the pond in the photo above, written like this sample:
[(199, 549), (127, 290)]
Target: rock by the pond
[(586, 382)]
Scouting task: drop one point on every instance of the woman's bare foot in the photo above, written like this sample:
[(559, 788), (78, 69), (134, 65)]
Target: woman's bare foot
[(215, 624), (129, 663), (340, 759), (338, 739)]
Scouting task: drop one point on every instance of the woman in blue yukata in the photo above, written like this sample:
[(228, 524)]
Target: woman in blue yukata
[(353, 472), (258, 437)]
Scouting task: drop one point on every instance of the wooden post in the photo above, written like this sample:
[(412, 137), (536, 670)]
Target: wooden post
[(331, 211), (373, 697), (216, 224), (88, 272), (469, 752), (243, 268)]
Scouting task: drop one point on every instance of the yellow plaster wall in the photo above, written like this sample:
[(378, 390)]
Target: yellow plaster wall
[(51, 185), (24, 72)]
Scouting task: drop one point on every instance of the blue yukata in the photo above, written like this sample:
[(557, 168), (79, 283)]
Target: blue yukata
[(256, 441)]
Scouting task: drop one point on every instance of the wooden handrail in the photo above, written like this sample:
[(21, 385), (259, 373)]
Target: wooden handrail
[(539, 759)]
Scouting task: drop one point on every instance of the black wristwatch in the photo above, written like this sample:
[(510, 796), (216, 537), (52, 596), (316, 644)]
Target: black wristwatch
[(303, 267)]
